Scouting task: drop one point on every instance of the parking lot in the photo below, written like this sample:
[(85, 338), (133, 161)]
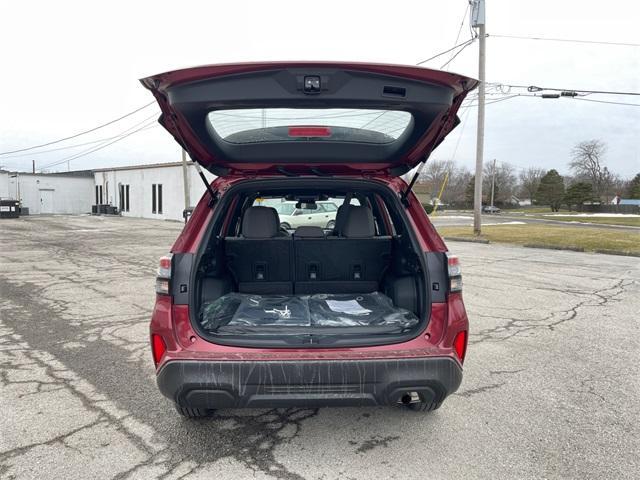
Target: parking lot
[(551, 386)]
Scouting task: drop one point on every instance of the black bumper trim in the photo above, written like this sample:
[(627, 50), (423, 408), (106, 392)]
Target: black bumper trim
[(311, 383)]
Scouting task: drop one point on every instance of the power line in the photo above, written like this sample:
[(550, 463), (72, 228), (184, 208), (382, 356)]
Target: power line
[(533, 88), (100, 147), (464, 16), (605, 101), (104, 141), (80, 133), (569, 40), (509, 97), (464, 124), (76, 145), (456, 54), (446, 51)]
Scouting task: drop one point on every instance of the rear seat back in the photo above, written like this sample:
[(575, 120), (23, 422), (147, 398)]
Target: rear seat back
[(353, 263), (261, 260)]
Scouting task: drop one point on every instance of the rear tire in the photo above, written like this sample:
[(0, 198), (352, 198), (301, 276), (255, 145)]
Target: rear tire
[(331, 224), (188, 412), (285, 225)]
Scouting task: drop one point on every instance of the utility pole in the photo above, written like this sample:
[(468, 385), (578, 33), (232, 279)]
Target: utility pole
[(478, 20), (185, 180), (493, 180)]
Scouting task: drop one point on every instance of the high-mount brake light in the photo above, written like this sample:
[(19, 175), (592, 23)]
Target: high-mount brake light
[(163, 276), (309, 131), (455, 273)]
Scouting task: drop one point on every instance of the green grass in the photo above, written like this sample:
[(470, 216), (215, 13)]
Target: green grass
[(588, 239)]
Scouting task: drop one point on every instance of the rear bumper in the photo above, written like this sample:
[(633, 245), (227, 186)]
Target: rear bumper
[(238, 384)]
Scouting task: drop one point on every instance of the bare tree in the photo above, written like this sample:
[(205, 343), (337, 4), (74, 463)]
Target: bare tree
[(530, 181), (454, 193), (434, 173), (587, 164), (432, 179), (505, 183)]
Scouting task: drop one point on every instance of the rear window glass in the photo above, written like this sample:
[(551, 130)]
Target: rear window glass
[(281, 208), (279, 124)]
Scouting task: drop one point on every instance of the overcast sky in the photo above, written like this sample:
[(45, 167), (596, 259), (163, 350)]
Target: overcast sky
[(68, 66)]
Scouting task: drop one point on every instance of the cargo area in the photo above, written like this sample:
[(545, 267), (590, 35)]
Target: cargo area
[(304, 266)]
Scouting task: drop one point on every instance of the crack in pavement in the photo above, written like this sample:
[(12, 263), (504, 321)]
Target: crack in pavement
[(374, 442), (251, 441), (516, 326)]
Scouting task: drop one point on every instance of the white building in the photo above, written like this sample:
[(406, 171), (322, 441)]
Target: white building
[(63, 193), (148, 191), (4, 185)]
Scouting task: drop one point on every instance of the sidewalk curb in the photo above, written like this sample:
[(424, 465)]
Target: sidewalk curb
[(553, 247), (466, 239), (617, 252)]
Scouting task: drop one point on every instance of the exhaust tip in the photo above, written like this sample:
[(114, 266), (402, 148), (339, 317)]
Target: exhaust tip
[(409, 398)]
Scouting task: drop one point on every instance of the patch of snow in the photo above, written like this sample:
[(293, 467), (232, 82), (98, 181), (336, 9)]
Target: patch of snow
[(505, 223), (611, 215)]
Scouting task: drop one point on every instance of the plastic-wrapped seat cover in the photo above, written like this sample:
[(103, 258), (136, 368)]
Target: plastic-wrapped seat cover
[(314, 311)]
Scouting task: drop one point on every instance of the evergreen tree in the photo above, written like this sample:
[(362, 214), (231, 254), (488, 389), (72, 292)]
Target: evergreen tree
[(578, 194), (551, 190), (633, 190)]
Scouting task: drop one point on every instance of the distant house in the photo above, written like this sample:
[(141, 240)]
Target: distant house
[(517, 201), (49, 193)]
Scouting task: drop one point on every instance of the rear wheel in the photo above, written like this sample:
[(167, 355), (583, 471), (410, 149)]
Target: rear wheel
[(188, 412), (331, 224), (285, 225)]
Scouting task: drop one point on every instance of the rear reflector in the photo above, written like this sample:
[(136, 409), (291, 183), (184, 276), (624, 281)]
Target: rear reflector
[(158, 348), (309, 132), (460, 345)]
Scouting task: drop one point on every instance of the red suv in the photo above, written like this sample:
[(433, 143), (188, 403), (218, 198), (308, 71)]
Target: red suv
[(250, 313)]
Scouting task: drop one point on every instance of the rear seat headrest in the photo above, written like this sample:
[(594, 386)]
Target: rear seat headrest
[(260, 222), (307, 231), (359, 223), (341, 218)]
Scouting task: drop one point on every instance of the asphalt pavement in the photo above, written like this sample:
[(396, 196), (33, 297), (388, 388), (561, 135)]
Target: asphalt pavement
[(551, 386)]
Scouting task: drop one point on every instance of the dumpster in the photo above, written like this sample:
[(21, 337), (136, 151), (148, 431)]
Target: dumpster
[(9, 209)]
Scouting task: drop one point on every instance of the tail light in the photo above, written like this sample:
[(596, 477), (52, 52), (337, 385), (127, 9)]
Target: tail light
[(455, 273), (460, 344), (163, 276), (158, 348)]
